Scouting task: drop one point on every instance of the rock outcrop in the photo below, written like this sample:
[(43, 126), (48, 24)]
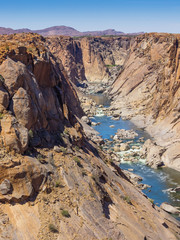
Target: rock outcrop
[(36, 95), (93, 59)]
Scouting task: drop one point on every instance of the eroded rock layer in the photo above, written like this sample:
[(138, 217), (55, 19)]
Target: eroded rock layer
[(90, 59), (147, 91)]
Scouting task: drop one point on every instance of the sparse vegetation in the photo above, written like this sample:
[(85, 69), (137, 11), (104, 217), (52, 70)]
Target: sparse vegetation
[(84, 173), (7, 47), (58, 184), (30, 50), (127, 199), (65, 213), (31, 135), (109, 66), (66, 131), (53, 228), (151, 200), (1, 116), (1, 78), (109, 161), (76, 159), (41, 158), (63, 149), (77, 148)]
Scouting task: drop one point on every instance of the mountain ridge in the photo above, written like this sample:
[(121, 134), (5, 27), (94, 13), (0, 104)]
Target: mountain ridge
[(66, 31)]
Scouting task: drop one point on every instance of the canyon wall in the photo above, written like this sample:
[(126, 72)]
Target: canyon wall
[(55, 183), (90, 58), (147, 91), (146, 70)]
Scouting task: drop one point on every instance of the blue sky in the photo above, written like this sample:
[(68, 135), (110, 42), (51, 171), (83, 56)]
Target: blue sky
[(126, 16)]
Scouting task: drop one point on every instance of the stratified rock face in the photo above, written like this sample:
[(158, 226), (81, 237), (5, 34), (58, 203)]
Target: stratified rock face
[(90, 58), (149, 87), (35, 93)]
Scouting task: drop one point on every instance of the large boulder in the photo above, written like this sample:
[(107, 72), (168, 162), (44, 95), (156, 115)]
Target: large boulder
[(13, 75), (153, 154), (22, 178), (171, 156), (23, 108), (86, 120), (170, 209), (14, 135), (5, 187), (153, 158), (124, 147), (126, 134)]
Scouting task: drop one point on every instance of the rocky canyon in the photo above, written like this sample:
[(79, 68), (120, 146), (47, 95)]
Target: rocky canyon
[(56, 182)]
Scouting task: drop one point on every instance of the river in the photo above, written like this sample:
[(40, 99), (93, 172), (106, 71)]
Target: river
[(160, 180)]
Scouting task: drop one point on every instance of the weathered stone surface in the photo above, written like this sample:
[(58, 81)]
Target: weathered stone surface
[(86, 120), (170, 209), (57, 149), (153, 154), (24, 179), (5, 187), (23, 109), (124, 147), (13, 75), (4, 99), (126, 134), (116, 148), (171, 156), (14, 135), (147, 90)]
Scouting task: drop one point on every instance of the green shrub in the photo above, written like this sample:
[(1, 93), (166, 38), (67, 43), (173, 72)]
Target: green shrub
[(77, 148), (30, 50), (76, 159), (65, 213), (58, 184), (7, 47), (53, 228), (127, 199), (63, 149), (30, 133), (151, 200), (66, 131), (1, 78), (41, 158), (1, 116), (109, 66)]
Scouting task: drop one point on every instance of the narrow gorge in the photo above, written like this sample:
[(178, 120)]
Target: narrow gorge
[(56, 180)]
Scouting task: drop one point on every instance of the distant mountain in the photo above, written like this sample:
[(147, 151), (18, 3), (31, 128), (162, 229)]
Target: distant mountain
[(59, 30), (66, 31)]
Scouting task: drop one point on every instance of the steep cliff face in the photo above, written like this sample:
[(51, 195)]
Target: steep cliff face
[(71, 190), (90, 58), (149, 87), (29, 77)]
